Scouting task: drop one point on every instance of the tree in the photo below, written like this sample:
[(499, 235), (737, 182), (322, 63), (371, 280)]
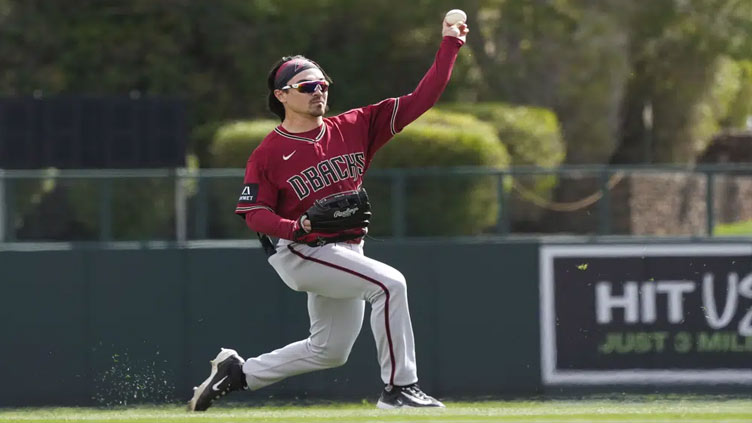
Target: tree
[(567, 55), (676, 51), (599, 64), (630, 81)]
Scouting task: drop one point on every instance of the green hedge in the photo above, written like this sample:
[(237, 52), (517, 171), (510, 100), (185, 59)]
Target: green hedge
[(436, 205), (443, 139), (533, 137), (440, 204), (200, 141), (234, 142), (531, 134)]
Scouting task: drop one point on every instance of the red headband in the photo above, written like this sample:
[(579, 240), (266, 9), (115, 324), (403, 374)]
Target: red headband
[(290, 69)]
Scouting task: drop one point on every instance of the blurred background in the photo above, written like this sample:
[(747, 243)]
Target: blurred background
[(562, 116), (125, 127)]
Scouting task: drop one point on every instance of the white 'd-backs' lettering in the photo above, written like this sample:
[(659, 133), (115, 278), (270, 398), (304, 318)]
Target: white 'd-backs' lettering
[(326, 173)]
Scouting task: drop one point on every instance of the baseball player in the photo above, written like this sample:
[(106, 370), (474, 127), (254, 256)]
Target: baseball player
[(303, 186)]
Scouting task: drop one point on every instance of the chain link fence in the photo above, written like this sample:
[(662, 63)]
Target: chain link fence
[(185, 205)]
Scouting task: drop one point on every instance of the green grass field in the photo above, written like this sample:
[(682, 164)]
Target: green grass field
[(647, 411), (734, 229)]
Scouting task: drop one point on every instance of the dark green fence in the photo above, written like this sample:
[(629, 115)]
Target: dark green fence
[(129, 323)]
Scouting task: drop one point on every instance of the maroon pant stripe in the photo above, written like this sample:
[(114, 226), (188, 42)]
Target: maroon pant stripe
[(374, 281)]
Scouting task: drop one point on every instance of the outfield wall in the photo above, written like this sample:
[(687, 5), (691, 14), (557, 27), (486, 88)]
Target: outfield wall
[(100, 326), (121, 324)]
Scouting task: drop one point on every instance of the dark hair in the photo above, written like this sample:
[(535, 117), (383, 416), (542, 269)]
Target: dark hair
[(274, 105)]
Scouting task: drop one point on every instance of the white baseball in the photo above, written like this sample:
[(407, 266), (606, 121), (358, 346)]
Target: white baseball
[(455, 16)]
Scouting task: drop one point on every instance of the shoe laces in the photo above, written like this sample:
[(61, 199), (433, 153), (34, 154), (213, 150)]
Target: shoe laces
[(415, 390)]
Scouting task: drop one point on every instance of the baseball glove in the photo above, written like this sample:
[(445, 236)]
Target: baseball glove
[(348, 213)]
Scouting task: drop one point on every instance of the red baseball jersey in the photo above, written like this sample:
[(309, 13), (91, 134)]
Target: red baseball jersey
[(289, 171)]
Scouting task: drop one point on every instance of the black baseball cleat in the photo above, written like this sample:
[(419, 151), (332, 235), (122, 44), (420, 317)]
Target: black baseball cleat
[(226, 376), (409, 396)]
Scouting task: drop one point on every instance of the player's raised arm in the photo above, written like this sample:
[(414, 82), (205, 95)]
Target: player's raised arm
[(391, 116), (430, 88)]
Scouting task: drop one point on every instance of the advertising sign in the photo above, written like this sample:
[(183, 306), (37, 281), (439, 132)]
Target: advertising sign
[(632, 314)]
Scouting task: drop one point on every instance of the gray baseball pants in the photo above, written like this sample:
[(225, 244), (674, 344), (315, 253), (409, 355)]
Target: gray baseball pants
[(339, 280)]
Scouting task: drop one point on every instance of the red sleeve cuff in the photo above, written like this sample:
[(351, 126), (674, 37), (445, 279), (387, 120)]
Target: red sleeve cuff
[(453, 41)]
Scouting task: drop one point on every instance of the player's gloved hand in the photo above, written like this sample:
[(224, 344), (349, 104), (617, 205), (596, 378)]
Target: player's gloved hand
[(348, 212)]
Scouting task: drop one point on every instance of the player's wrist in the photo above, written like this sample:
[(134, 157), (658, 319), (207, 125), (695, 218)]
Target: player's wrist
[(452, 41)]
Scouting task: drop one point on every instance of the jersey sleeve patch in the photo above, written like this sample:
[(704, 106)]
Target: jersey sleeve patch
[(249, 195)]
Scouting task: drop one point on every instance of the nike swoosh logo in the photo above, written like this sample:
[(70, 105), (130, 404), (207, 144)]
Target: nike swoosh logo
[(215, 387), (288, 156)]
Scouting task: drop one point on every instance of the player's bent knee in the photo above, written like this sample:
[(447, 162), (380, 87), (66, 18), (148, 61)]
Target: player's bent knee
[(331, 356), (396, 283), (334, 358), (336, 361), (392, 285)]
